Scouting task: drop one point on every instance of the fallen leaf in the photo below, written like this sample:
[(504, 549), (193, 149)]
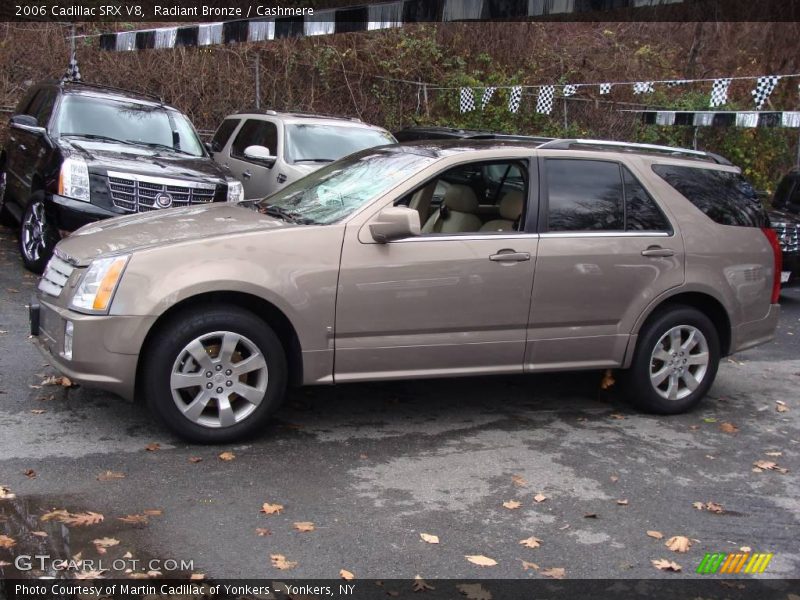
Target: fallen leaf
[(622, 502), (781, 407), (38, 411), (420, 585), (53, 380), (154, 512), (709, 506), (554, 573), (614, 478), (655, 534), (197, 576), (93, 574), (766, 465), (529, 565), (304, 526), (279, 562), (7, 542), (608, 380), (134, 519), (728, 428), (663, 564), (774, 454), (709, 420), (346, 575), (431, 539), (746, 549), (152, 447), (678, 543), (481, 560), (83, 519), (195, 459), (618, 417), (518, 481), (105, 542), (41, 534), (57, 515), (271, 509), (227, 456), (110, 475), (539, 498), (263, 532), (511, 504), (29, 473), (127, 555), (531, 542), (474, 591), (154, 573)]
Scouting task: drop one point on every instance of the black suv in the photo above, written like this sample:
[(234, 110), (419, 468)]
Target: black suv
[(785, 220), (77, 153)]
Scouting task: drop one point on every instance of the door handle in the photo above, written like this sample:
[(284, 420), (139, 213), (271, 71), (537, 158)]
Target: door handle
[(658, 252), (510, 256), (247, 174)]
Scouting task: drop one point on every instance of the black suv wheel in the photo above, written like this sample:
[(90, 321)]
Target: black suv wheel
[(37, 236)]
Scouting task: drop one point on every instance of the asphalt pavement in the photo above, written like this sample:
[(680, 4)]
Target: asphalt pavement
[(374, 466)]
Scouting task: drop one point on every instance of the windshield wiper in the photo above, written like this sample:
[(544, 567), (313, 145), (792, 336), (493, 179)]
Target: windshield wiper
[(283, 214), (157, 145), (94, 136), (321, 160)]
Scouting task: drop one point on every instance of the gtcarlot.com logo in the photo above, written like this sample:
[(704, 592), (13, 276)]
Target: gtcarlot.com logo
[(723, 563)]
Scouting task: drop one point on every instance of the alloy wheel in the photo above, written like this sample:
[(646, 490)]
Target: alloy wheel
[(679, 362), (34, 232)]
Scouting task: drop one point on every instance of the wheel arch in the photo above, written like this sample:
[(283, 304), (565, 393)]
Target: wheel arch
[(705, 302), (260, 307)]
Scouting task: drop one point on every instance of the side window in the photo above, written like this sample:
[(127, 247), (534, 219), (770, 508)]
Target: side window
[(255, 133), (223, 134), (452, 202), (641, 211), (45, 108), (35, 104), (724, 196), (584, 195)]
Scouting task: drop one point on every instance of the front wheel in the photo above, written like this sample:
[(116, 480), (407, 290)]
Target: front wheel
[(215, 374), (675, 362), (5, 215), (37, 237)]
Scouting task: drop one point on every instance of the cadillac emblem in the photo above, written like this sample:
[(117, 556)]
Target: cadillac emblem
[(164, 200)]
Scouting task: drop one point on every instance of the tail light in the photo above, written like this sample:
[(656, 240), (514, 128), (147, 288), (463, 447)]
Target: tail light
[(778, 262)]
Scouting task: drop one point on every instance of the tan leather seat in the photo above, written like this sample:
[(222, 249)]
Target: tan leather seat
[(458, 213), (510, 211)]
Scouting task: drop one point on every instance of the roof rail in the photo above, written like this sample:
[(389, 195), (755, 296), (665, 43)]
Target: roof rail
[(310, 115), (567, 144), (110, 88)]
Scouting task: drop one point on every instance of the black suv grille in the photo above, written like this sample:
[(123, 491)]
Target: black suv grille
[(788, 236), (140, 193)]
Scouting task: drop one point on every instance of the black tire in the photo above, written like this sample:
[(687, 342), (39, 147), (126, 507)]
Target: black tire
[(37, 236), (637, 383), (165, 350), (5, 216)]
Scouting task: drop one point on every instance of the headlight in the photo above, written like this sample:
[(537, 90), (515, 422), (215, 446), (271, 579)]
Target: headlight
[(97, 287), (235, 190), (73, 181)]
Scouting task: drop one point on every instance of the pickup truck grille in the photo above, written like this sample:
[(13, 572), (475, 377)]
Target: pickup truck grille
[(788, 234), (140, 193), (55, 276)]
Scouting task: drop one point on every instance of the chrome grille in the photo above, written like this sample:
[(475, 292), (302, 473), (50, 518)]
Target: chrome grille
[(138, 193), (55, 276), (788, 234)]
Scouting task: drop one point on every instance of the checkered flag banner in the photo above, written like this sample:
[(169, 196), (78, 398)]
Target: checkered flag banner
[(488, 93), (719, 92), (73, 73), (467, 100), (677, 82), (643, 87), (544, 104), (605, 89), (764, 89), (570, 90), (514, 99)]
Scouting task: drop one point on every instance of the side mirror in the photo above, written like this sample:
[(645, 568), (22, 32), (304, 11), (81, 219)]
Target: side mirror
[(26, 123), (395, 223), (260, 154), (209, 147)]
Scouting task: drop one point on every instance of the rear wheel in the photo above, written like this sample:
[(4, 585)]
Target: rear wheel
[(214, 375), (37, 236), (675, 362), (5, 216)]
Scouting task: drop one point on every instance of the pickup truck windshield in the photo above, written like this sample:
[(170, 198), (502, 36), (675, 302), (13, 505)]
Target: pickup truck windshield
[(327, 143), (339, 189), (127, 122)]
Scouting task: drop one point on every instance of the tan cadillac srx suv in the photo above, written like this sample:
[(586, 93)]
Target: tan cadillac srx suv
[(423, 260)]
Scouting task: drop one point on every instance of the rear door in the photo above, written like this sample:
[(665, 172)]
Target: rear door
[(606, 251)]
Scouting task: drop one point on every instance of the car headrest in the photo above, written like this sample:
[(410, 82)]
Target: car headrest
[(511, 205), (461, 198)]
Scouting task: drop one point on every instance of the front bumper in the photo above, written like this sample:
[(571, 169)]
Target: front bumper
[(105, 349), (791, 265), (68, 214)]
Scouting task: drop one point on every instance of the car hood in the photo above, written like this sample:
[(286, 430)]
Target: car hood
[(102, 157), (162, 228)]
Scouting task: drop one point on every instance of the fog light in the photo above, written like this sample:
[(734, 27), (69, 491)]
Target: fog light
[(68, 330)]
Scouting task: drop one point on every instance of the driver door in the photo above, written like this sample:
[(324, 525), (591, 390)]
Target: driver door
[(258, 178)]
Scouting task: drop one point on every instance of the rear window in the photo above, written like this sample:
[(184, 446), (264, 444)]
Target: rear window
[(223, 134), (725, 198)]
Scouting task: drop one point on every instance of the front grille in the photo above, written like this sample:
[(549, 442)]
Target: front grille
[(55, 276), (140, 193), (788, 234)]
